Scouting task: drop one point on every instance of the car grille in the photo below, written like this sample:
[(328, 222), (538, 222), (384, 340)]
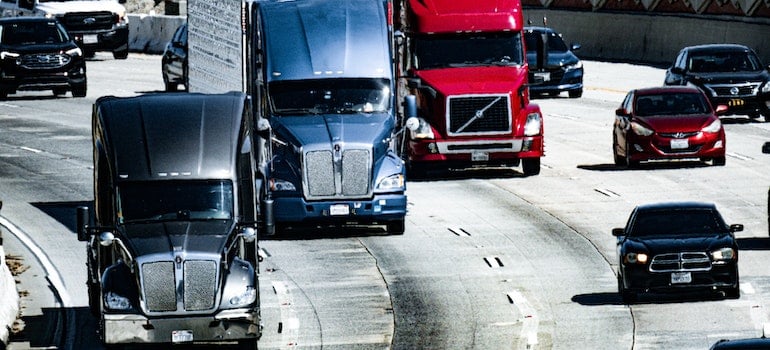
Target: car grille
[(159, 285), (679, 135), (44, 61), (686, 261), (353, 169), (748, 89), (478, 114), (88, 21)]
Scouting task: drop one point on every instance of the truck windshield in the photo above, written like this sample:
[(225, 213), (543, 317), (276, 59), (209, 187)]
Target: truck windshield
[(476, 49), (324, 96), (175, 200), (31, 33)]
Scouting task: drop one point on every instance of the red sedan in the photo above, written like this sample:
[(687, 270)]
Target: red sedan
[(667, 123)]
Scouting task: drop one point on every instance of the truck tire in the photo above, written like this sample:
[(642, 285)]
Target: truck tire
[(530, 166), (396, 227)]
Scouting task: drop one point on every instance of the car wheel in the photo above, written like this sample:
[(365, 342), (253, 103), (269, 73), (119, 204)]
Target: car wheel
[(734, 293), (626, 295), (576, 93), (719, 161), (120, 55), (396, 227), (530, 166), (630, 163), (79, 90), (619, 161)]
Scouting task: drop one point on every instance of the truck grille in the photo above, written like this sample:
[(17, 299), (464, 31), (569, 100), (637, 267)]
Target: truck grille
[(686, 261), (747, 89), (159, 285), (478, 114), (88, 21), (323, 181), (44, 61)]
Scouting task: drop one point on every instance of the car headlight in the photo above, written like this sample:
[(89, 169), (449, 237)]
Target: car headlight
[(423, 131), (392, 182), (8, 54), (281, 185), (640, 129), (766, 88), (724, 254), (714, 127), (533, 125), (74, 52), (576, 65), (244, 299), (635, 258), (115, 301)]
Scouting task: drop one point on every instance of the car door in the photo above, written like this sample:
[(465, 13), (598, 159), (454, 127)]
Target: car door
[(622, 123)]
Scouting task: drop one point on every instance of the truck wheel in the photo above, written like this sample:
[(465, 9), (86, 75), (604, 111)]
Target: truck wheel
[(250, 344), (79, 90), (120, 55), (94, 297), (530, 166), (396, 227)]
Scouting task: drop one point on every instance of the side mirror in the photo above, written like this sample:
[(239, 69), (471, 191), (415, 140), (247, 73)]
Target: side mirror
[(106, 238), (621, 112), (82, 220), (618, 232), (249, 234), (766, 148), (736, 228), (677, 70), (721, 109), (575, 46)]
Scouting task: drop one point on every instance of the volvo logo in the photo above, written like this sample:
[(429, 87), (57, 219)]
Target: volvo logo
[(734, 90), (89, 20)]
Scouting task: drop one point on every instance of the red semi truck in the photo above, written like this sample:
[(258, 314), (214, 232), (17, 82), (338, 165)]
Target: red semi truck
[(464, 62)]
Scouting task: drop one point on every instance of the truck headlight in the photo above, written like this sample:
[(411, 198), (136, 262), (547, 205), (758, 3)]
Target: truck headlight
[(244, 299), (392, 182), (423, 131), (533, 125), (723, 254), (116, 302)]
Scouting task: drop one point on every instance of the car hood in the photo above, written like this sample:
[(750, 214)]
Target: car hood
[(674, 244), (729, 77), (555, 59), (475, 80), (39, 48), (62, 7), (677, 123), (171, 236)]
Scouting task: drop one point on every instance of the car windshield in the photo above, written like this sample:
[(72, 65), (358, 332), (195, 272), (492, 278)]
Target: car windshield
[(671, 104), (554, 41), (682, 222), (725, 61), (31, 33), (325, 96), (175, 200), (478, 49)]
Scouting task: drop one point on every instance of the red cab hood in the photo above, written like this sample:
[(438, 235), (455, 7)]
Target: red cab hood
[(677, 123), (476, 80)]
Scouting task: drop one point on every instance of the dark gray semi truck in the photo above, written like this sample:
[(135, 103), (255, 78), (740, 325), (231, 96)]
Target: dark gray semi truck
[(172, 246)]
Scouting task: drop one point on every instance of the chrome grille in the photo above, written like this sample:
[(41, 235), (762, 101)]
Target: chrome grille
[(348, 177), (747, 89), (199, 284), (686, 261), (478, 114), (159, 286), (44, 61), (87, 21)]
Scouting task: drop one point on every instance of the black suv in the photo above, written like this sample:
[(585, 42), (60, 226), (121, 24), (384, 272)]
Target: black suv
[(37, 54), (557, 69), (729, 74)]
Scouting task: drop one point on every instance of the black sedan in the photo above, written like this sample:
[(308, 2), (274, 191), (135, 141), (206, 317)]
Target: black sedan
[(729, 74), (678, 246), (174, 61), (553, 66)]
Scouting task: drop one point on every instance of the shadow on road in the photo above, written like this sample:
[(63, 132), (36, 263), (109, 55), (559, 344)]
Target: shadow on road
[(64, 212)]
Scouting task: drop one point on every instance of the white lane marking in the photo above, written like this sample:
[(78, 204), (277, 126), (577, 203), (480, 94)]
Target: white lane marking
[(747, 288), (529, 320), (34, 150), (289, 325)]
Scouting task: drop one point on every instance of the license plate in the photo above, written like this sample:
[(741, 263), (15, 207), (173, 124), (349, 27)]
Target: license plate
[(681, 277), (90, 39), (479, 156), (680, 144), (181, 336), (339, 209), (545, 75), (736, 102)]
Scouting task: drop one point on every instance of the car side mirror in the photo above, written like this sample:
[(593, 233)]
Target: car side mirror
[(618, 232), (721, 109), (621, 112), (766, 148), (736, 228), (677, 70), (575, 46)]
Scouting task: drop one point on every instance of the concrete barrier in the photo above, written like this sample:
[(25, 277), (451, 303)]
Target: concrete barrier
[(650, 38), (9, 296), (149, 34)]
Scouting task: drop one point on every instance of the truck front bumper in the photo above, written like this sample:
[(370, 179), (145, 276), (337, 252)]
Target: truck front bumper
[(115, 39), (383, 207), (468, 153), (227, 325)]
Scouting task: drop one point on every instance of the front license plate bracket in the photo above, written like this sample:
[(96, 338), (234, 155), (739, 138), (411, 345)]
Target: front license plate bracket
[(182, 336)]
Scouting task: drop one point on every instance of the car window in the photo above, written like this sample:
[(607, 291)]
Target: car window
[(555, 42), (677, 222), (732, 61), (30, 33), (671, 104)]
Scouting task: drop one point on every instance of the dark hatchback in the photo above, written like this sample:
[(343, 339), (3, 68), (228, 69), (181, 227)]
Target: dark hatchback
[(174, 61), (729, 74), (36, 53), (678, 246), (559, 69)]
